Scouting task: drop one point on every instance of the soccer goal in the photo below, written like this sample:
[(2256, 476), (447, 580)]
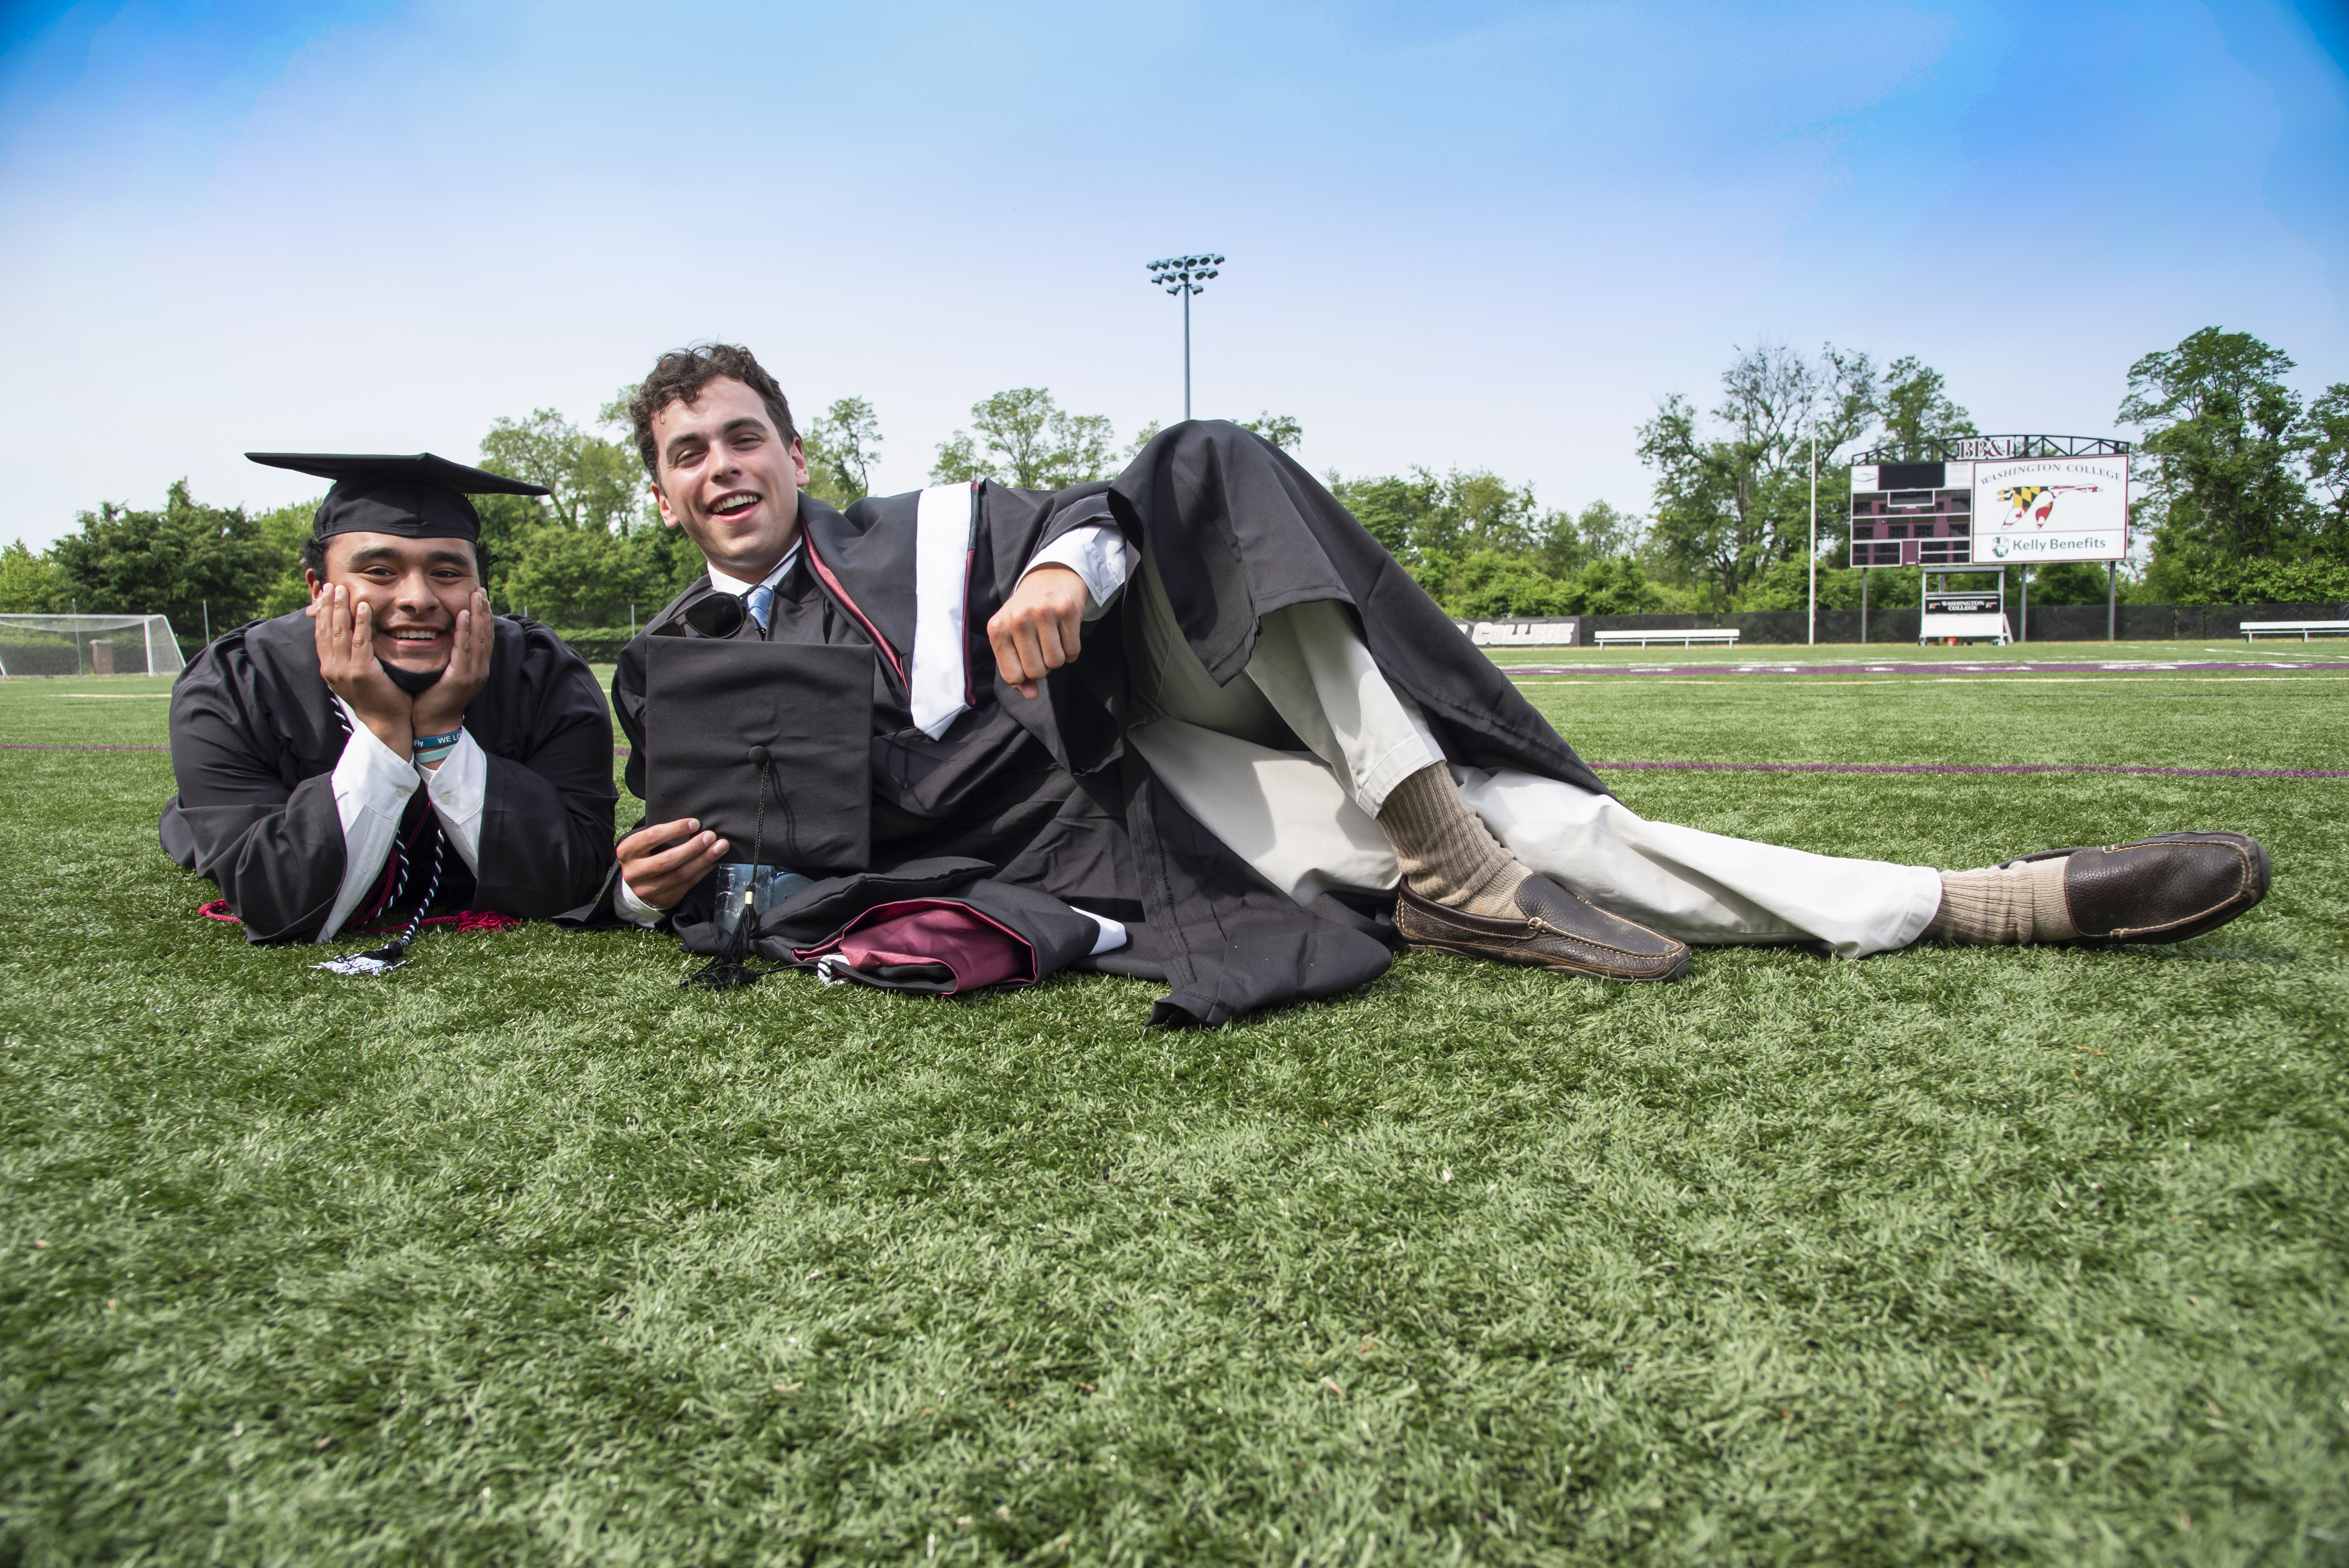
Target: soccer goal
[(88, 645)]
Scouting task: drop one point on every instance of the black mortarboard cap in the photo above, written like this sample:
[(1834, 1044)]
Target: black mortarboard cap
[(415, 494), (728, 722)]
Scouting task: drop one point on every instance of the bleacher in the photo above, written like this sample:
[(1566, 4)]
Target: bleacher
[(2254, 630), (1721, 636)]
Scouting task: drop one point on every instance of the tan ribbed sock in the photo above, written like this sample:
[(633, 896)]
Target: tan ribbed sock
[(2003, 904), (1446, 852)]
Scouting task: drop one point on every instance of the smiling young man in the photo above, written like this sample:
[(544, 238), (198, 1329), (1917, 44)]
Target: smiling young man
[(726, 462), (1203, 701), (392, 745)]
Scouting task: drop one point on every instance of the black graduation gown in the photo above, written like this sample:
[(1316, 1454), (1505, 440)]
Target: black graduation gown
[(1048, 791), (256, 736)]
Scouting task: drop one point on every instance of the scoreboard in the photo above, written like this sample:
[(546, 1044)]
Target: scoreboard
[(1989, 512), (1912, 514)]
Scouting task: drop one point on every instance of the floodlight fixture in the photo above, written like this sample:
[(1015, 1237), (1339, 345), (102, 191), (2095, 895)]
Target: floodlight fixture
[(1186, 275)]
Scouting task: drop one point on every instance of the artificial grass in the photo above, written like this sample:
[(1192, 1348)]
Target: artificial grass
[(527, 1255)]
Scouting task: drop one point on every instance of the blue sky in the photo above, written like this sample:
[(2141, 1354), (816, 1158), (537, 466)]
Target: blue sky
[(1478, 233)]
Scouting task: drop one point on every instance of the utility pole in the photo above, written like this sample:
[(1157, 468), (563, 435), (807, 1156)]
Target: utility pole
[(1813, 636), (1185, 275)]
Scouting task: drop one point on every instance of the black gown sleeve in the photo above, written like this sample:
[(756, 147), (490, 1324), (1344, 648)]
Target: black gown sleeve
[(244, 817), (547, 820)]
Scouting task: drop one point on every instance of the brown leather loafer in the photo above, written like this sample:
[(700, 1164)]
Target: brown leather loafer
[(2165, 887), (1557, 930)]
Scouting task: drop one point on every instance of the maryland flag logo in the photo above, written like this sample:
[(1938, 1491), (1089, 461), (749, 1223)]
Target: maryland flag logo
[(2036, 502)]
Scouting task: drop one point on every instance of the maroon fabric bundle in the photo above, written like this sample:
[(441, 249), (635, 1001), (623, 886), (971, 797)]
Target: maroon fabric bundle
[(942, 941)]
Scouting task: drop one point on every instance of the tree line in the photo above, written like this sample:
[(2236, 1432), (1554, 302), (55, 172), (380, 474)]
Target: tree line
[(2245, 486), (2246, 501)]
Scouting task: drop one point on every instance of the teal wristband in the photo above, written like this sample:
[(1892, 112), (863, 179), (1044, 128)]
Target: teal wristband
[(435, 742)]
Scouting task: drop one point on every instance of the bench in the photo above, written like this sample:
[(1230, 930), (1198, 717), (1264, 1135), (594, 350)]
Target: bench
[(1724, 636), (2253, 630)]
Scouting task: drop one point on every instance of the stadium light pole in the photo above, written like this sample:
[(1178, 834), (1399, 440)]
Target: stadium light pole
[(1185, 275), (1813, 634)]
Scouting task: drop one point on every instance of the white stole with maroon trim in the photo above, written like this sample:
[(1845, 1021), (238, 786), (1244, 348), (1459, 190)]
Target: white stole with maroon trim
[(939, 681)]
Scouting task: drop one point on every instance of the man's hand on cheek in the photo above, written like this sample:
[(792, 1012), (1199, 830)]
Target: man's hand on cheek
[(345, 629), (443, 708), (661, 863), (1040, 629)]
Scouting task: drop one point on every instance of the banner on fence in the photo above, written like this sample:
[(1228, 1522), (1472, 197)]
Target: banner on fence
[(1532, 632)]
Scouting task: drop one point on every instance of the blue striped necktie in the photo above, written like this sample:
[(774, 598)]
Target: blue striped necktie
[(759, 601)]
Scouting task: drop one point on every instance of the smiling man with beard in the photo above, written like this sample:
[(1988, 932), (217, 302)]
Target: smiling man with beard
[(391, 746)]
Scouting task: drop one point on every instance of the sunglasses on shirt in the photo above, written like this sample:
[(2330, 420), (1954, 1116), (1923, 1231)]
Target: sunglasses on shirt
[(719, 615)]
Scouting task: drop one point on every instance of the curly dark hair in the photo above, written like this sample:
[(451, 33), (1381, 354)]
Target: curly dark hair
[(678, 376)]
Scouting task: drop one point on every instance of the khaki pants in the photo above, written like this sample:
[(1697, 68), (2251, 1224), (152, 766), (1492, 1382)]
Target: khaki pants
[(1307, 819)]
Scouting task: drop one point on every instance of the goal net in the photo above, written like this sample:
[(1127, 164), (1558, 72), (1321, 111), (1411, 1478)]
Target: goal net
[(88, 645)]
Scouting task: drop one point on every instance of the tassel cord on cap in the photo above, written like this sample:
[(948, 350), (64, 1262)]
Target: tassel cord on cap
[(393, 954), (731, 967)]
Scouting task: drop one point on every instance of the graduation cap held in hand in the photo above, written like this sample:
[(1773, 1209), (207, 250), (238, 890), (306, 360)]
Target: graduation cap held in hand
[(768, 744)]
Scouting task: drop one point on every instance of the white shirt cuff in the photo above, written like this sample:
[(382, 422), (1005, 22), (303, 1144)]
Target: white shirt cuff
[(459, 789), (629, 906), (371, 789), (1100, 555)]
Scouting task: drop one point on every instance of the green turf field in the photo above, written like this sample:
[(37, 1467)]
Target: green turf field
[(526, 1255)]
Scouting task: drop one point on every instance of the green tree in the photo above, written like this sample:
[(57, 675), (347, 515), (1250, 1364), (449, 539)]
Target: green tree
[(1141, 437), (2066, 583), (1614, 585), (1491, 514), (31, 584), (284, 528), (1915, 409), (1488, 583), (596, 545), (1607, 531), (1027, 440), (1395, 510), (1559, 546), (1731, 505), (2325, 434), (1786, 586), (596, 484), (841, 448), (176, 561), (1477, 544), (1280, 430), (2226, 439), (586, 577), (1423, 519)]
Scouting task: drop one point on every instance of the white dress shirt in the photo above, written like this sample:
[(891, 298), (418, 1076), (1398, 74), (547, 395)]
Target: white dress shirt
[(372, 785), (738, 587), (1100, 555)]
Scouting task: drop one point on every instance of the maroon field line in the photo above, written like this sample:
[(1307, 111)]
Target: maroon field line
[(1948, 667), (1985, 768), (1728, 767)]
